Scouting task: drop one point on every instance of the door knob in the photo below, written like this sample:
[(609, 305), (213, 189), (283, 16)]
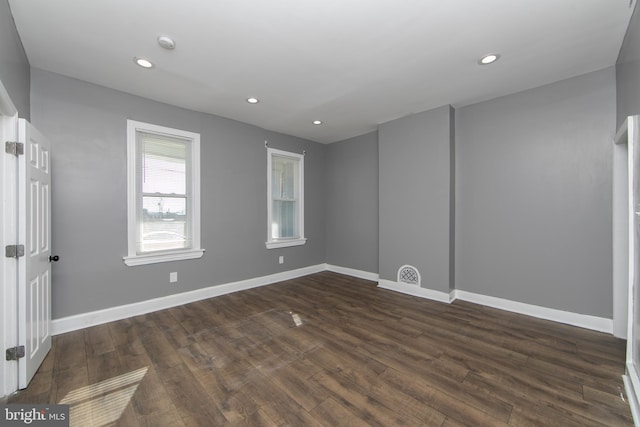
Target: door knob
[(54, 258)]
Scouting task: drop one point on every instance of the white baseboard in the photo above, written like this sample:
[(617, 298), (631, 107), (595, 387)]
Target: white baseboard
[(85, 320), (581, 320), (632, 388), (353, 272), (414, 290), (633, 401)]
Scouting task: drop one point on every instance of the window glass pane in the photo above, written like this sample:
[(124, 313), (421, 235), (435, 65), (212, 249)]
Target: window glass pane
[(284, 219), (164, 163), (284, 177), (164, 224), (284, 196)]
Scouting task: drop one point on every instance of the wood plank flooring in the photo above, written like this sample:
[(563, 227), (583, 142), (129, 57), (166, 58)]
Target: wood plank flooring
[(332, 350)]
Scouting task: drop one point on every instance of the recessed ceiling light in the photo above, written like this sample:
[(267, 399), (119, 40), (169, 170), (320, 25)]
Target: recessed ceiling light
[(253, 100), (489, 59), (317, 122), (144, 63)]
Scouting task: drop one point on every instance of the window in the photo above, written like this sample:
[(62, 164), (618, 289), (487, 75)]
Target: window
[(285, 187), (163, 177)]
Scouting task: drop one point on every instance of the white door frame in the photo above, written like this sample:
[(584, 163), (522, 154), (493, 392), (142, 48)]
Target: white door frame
[(8, 236), (624, 254), (621, 195)]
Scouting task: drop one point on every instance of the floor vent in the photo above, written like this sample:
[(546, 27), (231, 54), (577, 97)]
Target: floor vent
[(409, 275)]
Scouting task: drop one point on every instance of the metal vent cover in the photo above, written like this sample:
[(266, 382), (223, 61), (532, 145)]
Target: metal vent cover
[(409, 275)]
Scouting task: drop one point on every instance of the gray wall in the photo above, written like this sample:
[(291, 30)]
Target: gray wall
[(414, 196), (628, 71), (14, 66), (533, 215), (352, 203), (532, 187), (87, 127)]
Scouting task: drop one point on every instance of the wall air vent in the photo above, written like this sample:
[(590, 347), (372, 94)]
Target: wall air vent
[(409, 275)]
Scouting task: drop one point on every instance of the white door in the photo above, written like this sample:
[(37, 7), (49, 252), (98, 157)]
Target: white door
[(34, 268)]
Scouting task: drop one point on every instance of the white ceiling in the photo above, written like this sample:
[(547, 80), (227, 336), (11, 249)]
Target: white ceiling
[(351, 63)]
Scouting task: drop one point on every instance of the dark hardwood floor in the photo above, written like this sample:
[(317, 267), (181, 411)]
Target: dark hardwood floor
[(332, 350)]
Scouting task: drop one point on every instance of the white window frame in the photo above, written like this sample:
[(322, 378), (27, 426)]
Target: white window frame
[(272, 243), (193, 252)]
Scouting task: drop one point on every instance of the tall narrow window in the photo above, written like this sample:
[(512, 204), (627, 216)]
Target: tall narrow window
[(285, 182), (163, 194)]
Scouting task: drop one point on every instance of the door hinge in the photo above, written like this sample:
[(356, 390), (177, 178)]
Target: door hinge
[(15, 148), (14, 251), (15, 353)]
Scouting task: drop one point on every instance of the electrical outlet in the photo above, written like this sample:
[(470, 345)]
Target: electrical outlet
[(173, 277), (281, 259)]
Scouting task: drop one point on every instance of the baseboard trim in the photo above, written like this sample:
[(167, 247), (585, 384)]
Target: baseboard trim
[(414, 290), (353, 272), (630, 380), (586, 321), (633, 402), (581, 320), (85, 320)]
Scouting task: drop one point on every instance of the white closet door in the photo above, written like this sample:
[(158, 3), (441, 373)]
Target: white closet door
[(34, 270)]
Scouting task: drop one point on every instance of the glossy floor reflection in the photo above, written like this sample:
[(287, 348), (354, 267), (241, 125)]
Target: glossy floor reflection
[(332, 350)]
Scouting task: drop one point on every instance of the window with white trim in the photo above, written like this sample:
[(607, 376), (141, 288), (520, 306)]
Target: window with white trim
[(285, 189), (163, 179)]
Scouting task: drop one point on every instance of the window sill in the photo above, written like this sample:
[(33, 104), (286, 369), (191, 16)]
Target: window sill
[(273, 244), (163, 257)]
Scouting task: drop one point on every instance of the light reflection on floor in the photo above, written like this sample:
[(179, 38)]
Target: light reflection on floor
[(296, 318), (102, 403)]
